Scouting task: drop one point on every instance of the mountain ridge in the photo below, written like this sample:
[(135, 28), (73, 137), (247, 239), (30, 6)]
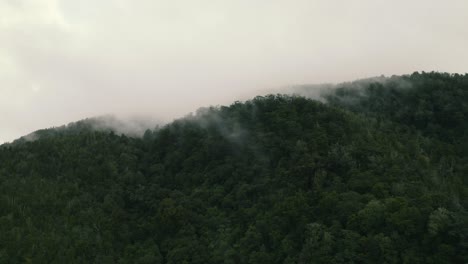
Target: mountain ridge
[(275, 179)]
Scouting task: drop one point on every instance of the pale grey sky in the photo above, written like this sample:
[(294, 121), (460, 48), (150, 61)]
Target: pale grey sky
[(64, 60)]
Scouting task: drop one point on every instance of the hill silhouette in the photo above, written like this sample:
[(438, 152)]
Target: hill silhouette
[(376, 173)]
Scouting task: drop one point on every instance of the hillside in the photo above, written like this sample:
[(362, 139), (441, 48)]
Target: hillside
[(376, 174)]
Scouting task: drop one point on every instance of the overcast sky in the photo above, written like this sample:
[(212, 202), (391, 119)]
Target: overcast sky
[(65, 60)]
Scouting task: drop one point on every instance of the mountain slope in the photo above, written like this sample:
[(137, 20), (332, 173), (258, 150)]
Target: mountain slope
[(277, 179)]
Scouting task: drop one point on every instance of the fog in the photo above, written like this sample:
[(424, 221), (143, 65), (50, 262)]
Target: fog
[(65, 60)]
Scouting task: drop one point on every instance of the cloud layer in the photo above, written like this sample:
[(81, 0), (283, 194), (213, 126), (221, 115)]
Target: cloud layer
[(63, 60)]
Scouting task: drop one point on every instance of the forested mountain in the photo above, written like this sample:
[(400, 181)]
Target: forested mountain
[(376, 174)]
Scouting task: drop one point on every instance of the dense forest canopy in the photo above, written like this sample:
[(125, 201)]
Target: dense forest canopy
[(375, 174)]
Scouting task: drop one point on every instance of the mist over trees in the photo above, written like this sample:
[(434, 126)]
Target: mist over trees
[(376, 173)]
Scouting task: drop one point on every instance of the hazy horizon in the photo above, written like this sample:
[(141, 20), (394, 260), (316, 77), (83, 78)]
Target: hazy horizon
[(62, 60)]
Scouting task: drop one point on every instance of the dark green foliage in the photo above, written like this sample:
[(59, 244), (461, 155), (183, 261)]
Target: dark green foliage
[(376, 176)]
